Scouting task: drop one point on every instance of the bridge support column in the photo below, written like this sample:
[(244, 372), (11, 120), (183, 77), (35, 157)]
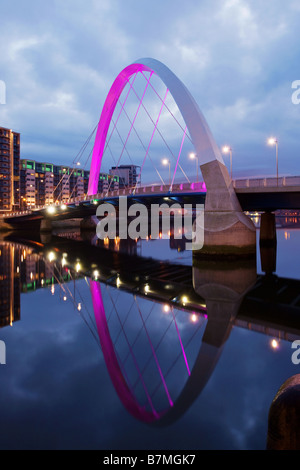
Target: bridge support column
[(268, 242), (227, 230), (223, 285), (46, 225), (89, 223)]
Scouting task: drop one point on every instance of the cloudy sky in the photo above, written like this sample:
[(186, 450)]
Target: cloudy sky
[(238, 58)]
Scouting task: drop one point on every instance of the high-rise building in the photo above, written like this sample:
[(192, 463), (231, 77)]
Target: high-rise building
[(10, 255), (9, 169), (44, 183), (27, 183), (128, 175), (36, 183)]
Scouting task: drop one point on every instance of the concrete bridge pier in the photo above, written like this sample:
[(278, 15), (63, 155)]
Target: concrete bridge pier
[(268, 242), (223, 285), (89, 223), (227, 230), (46, 225)]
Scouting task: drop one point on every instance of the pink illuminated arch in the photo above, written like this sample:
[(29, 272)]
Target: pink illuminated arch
[(204, 143), (206, 361)]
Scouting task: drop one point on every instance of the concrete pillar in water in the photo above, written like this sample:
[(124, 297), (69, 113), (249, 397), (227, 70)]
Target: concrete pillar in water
[(223, 285), (284, 417), (227, 230), (268, 242), (89, 223), (46, 225)]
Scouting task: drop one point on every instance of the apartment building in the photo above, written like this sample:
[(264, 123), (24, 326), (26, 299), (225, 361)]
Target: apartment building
[(9, 169), (127, 174)]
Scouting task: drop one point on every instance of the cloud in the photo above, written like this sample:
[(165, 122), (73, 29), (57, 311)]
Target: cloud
[(60, 60)]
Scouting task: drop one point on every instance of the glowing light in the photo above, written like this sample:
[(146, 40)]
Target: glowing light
[(226, 149), (272, 141), (51, 210), (65, 298), (52, 289), (166, 308), (77, 267), (51, 256), (192, 155), (79, 307), (165, 161), (274, 343), (63, 207), (118, 281), (96, 274), (184, 300), (147, 288), (194, 318)]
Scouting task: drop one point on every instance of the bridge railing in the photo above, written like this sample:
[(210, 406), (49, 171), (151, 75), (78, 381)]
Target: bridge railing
[(283, 181)]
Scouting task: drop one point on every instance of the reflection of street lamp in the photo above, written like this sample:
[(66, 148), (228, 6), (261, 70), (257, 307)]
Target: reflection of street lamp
[(227, 149), (273, 141), (192, 157), (165, 161)]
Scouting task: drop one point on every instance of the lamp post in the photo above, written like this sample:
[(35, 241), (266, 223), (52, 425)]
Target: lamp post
[(273, 141), (193, 156), (166, 161), (227, 149)]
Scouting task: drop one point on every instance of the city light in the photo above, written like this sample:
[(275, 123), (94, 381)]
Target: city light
[(51, 210), (77, 267), (96, 274), (193, 156), (274, 343), (166, 308), (63, 207), (166, 161), (273, 141), (227, 149), (51, 256), (184, 300), (194, 318)]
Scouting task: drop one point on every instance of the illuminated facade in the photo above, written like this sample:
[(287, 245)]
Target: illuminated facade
[(9, 169)]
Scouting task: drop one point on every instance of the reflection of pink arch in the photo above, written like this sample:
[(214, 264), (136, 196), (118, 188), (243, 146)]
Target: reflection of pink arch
[(206, 361), (112, 363), (204, 143)]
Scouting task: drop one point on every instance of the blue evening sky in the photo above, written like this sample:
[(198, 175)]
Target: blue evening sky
[(238, 59)]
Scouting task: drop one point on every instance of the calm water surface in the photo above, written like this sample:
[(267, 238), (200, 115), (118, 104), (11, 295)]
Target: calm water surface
[(90, 365)]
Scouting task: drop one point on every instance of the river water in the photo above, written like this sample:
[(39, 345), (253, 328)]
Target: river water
[(94, 362)]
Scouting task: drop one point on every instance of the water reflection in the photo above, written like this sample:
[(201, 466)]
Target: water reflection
[(162, 326)]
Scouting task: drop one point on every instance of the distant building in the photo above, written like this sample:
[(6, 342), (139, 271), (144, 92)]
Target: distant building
[(10, 258), (27, 183), (45, 183), (9, 169), (128, 175)]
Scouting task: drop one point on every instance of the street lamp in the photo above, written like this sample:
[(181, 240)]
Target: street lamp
[(166, 161), (193, 156), (227, 149), (273, 141)]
